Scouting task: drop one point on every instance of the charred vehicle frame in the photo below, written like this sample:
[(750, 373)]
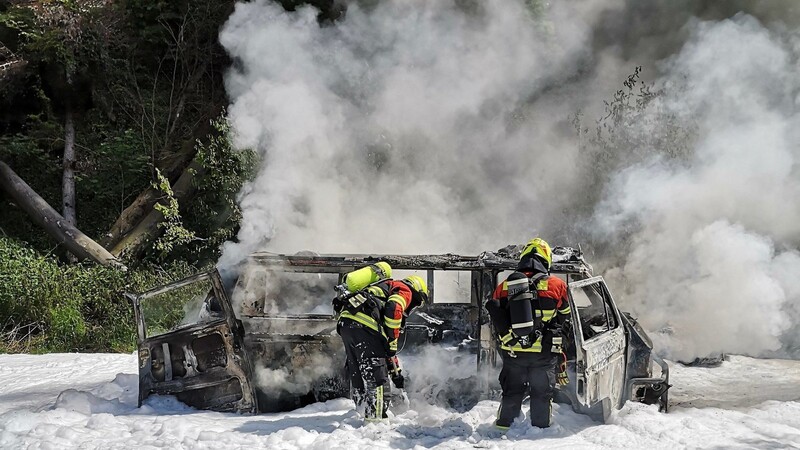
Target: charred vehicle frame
[(252, 325)]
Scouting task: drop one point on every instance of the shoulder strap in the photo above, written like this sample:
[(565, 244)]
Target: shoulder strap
[(364, 300), (537, 315), (383, 285), (534, 282)]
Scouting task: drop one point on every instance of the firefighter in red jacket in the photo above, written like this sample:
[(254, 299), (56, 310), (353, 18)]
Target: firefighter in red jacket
[(527, 312), (370, 332)]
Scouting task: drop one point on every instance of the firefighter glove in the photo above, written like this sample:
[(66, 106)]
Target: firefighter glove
[(395, 372), (398, 380), (562, 377)]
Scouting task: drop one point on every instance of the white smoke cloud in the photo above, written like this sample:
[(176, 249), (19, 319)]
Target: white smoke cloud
[(394, 130), (300, 378), (419, 126), (453, 383), (709, 259)]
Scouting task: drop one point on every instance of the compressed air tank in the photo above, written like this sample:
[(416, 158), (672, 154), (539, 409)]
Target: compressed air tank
[(363, 277), (519, 304)]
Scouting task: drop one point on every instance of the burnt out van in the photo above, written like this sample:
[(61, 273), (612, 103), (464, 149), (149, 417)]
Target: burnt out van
[(264, 339)]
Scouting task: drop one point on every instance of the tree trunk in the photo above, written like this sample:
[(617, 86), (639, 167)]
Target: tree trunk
[(147, 229), (68, 180), (144, 202), (142, 206), (53, 223)]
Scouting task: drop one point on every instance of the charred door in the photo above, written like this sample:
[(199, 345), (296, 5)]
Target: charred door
[(600, 346), (191, 345)]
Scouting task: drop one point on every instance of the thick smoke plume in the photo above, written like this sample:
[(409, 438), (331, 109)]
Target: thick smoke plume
[(445, 126), (712, 259), (403, 128)]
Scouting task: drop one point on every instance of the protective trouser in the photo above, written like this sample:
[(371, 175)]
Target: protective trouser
[(527, 372), (366, 368)]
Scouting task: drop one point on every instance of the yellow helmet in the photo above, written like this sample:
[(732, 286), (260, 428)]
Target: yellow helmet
[(538, 247), (417, 283), (419, 291)]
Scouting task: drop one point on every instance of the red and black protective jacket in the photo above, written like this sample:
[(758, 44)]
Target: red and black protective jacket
[(393, 297), (398, 298), (552, 303), (552, 287)]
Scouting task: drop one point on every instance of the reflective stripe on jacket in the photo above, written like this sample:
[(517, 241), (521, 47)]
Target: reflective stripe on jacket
[(394, 298), (552, 301), (363, 319)]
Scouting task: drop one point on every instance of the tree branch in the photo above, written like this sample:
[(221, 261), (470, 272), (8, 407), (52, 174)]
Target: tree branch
[(53, 223)]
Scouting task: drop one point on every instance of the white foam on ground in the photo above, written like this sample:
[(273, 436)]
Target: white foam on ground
[(89, 401)]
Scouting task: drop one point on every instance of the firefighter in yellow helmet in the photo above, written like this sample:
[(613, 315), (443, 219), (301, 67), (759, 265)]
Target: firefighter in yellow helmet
[(372, 310), (528, 310)]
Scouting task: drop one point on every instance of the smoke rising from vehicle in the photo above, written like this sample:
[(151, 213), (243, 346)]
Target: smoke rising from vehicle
[(403, 128), (260, 291), (300, 378), (453, 383), (445, 127), (715, 233)]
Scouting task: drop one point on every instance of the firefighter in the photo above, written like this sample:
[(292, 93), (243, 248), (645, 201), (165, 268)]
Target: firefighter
[(528, 311), (371, 317)]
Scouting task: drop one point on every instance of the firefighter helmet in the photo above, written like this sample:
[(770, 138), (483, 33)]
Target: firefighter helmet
[(538, 247), (419, 294), (417, 283)]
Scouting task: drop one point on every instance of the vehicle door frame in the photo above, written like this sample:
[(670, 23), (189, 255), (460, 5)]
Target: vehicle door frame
[(600, 360), (230, 330)]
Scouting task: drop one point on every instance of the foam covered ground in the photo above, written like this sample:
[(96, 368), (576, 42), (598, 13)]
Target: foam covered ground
[(89, 401)]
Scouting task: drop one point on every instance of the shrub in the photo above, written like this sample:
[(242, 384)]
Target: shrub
[(49, 307)]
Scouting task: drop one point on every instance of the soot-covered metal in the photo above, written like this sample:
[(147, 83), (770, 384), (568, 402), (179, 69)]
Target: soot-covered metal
[(268, 342)]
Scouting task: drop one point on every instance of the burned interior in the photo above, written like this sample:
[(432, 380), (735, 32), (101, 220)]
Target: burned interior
[(267, 340)]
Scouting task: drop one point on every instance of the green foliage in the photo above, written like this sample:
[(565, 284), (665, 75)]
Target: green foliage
[(140, 77), (215, 213), (17, 26), (112, 169), (174, 231), (41, 171), (164, 70), (46, 306), (143, 79), (212, 215), (63, 38)]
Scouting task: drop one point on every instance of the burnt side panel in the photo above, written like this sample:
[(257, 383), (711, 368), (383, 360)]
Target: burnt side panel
[(224, 396)]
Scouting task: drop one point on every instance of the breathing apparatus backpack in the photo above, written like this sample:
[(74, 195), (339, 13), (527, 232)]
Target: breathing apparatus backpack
[(353, 294), (522, 294)]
